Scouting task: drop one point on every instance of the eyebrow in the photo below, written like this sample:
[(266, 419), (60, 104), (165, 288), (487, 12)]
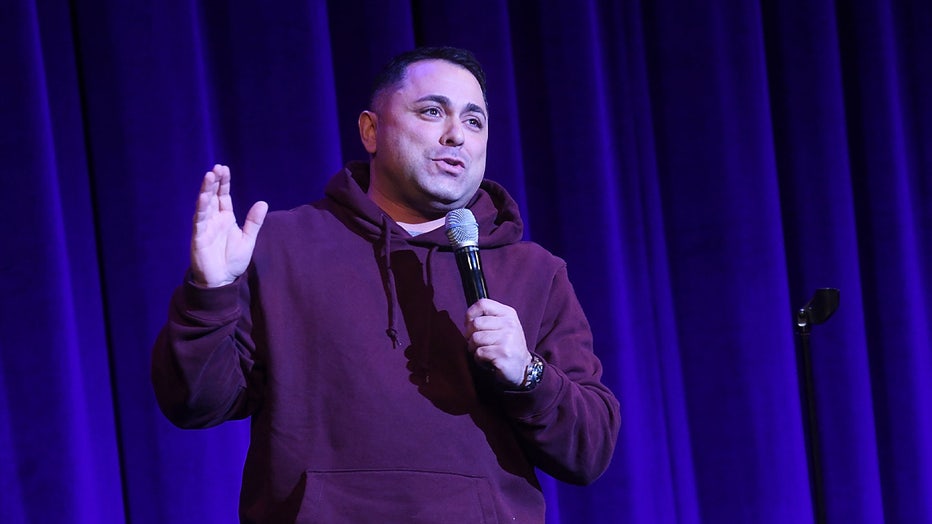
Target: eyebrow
[(444, 101)]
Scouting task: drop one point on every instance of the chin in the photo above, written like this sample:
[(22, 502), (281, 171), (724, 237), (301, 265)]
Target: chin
[(444, 201), (451, 198)]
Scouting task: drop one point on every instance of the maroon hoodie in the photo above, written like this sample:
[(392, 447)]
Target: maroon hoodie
[(344, 343)]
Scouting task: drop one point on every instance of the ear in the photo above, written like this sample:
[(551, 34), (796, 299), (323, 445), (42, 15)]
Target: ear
[(368, 127)]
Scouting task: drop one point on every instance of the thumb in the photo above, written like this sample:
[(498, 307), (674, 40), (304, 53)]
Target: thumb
[(254, 220)]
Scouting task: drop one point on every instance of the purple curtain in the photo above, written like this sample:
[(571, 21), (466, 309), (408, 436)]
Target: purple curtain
[(701, 166)]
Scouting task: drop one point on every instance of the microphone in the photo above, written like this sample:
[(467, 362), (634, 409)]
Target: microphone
[(463, 232)]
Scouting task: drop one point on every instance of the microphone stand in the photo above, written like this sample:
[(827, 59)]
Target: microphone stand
[(816, 311)]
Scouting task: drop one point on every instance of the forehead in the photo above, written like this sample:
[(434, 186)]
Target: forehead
[(439, 77)]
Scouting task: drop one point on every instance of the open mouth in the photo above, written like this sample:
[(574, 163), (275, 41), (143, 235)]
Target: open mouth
[(455, 162)]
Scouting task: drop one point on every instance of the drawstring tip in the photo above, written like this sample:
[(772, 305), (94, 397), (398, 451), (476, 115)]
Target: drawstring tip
[(393, 334)]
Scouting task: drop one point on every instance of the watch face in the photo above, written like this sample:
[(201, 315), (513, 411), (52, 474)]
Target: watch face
[(534, 373)]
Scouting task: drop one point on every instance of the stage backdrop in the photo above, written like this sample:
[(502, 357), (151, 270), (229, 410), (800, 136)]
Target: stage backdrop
[(703, 167)]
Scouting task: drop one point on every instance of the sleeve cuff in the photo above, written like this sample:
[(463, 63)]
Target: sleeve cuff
[(209, 303), (527, 405)]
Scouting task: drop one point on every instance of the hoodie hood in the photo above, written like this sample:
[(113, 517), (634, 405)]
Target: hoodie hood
[(496, 212)]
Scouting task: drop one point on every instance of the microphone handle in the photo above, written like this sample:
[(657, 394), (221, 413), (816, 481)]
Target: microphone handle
[(470, 266)]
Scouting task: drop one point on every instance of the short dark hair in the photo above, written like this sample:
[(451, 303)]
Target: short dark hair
[(395, 70)]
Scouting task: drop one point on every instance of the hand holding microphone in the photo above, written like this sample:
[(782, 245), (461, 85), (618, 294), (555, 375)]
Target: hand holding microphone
[(463, 232), (493, 331)]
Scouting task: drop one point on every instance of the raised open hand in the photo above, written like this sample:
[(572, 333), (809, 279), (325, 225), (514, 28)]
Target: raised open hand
[(220, 250)]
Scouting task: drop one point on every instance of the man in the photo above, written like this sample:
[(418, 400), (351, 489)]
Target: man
[(375, 394)]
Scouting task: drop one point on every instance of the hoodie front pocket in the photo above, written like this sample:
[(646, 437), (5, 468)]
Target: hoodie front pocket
[(389, 496)]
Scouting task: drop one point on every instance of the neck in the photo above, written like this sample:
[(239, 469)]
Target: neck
[(397, 210)]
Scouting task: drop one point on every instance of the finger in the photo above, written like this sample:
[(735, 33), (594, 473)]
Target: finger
[(254, 219), (223, 192), (490, 323), (481, 355), (210, 184), (489, 307), (479, 308), (485, 338), (210, 178), (222, 173), (488, 358), (490, 353), (206, 198)]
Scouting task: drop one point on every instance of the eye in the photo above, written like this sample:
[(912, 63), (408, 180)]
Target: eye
[(474, 122), (431, 111)]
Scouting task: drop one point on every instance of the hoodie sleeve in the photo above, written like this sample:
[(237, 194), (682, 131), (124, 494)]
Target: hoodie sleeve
[(203, 358), (570, 421)]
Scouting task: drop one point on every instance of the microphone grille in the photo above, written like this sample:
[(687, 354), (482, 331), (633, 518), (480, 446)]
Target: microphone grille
[(462, 228)]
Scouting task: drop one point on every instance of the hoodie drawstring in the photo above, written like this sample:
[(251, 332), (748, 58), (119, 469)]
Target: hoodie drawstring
[(389, 281)]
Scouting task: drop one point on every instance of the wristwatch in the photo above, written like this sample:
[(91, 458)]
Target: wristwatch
[(533, 374)]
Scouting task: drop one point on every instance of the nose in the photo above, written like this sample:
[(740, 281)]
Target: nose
[(453, 134)]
